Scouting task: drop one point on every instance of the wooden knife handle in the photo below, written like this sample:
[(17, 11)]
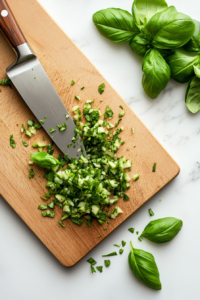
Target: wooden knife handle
[(9, 25)]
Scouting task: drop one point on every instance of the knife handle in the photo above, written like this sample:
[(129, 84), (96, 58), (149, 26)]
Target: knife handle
[(9, 25)]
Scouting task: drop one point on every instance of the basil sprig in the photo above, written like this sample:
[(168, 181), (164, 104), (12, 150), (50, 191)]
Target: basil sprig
[(162, 230), (144, 267)]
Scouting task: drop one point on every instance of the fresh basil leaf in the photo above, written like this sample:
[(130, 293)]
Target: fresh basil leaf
[(144, 267), (115, 24), (197, 70), (194, 43), (162, 230), (156, 73), (140, 45), (169, 29), (143, 10), (192, 97), (181, 64), (44, 160)]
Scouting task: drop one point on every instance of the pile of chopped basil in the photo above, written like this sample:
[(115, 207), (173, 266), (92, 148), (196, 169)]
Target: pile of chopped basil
[(86, 185)]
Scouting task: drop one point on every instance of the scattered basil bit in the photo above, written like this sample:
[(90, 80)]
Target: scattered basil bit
[(6, 81), (99, 235), (100, 269), (41, 121), (121, 114), (42, 207), (92, 261), (51, 204), (77, 221), (117, 123), (136, 177), (25, 144), (61, 223), (101, 88), (104, 228), (107, 263), (151, 213), (48, 213), (154, 167), (45, 117), (31, 173), (38, 126), (82, 88), (12, 141), (108, 113), (110, 254), (77, 98), (65, 217), (123, 244), (131, 230), (31, 123), (62, 127), (132, 130), (162, 230), (144, 268), (93, 269), (73, 82), (121, 251), (52, 130), (121, 107), (137, 232), (117, 245), (126, 197)]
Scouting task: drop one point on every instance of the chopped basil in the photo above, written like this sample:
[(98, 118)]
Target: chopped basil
[(93, 269), (67, 116), (31, 123), (123, 243), (52, 130), (51, 204), (110, 254), (23, 129), (131, 230), (117, 245), (136, 177), (151, 213), (126, 197), (65, 217), (107, 263), (121, 107), (48, 213), (82, 88), (25, 144), (31, 173), (6, 81), (69, 145), (121, 114), (101, 88), (137, 232), (62, 127), (45, 117), (61, 223), (41, 121), (38, 126), (77, 98), (73, 82), (42, 207), (140, 239), (116, 124), (92, 261), (121, 251), (99, 235), (104, 228), (132, 130), (12, 141), (77, 221), (100, 269), (108, 113), (154, 167)]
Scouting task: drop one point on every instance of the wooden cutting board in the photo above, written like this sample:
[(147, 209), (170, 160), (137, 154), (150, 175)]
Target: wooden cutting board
[(63, 61)]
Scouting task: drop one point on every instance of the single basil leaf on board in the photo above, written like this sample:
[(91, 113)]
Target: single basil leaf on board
[(197, 70), (170, 29), (162, 230), (139, 45), (192, 96), (115, 24), (44, 160), (194, 43), (156, 73), (181, 64), (144, 267), (143, 10)]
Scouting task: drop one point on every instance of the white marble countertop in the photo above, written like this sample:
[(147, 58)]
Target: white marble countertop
[(28, 271)]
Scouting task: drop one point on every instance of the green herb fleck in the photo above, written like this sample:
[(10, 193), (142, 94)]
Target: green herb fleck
[(45, 117), (6, 81), (121, 107), (62, 127), (82, 88), (101, 88), (121, 114), (154, 167), (99, 235), (151, 213), (31, 123), (12, 141), (73, 82), (137, 232), (136, 177), (31, 173), (77, 98), (65, 217), (48, 213), (52, 130), (42, 207), (38, 126), (92, 261), (121, 251), (117, 245), (61, 223), (41, 121), (110, 254), (117, 123), (77, 221), (108, 113), (51, 204), (100, 269), (25, 144), (107, 263), (123, 243), (126, 197), (132, 130), (104, 228), (140, 239), (131, 230), (93, 269)]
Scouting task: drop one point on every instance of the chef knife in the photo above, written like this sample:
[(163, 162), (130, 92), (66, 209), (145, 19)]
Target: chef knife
[(35, 87)]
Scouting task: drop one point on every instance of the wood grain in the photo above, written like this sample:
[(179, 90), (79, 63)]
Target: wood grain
[(10, 27), (63, 61)]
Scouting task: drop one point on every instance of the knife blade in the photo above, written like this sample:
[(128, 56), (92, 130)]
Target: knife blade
[(35, 87)]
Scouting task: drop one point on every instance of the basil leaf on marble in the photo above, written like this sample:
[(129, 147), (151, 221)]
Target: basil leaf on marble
[(140, 45), (162, 230), (156, 73), (192, 96), (144, 267), (194, 43), (143, 10), (169, 29), (181, 64), (115, 24)]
